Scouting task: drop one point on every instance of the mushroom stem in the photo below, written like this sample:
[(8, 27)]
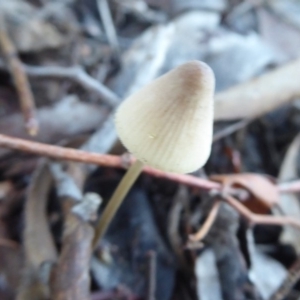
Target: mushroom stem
[(116, 200)]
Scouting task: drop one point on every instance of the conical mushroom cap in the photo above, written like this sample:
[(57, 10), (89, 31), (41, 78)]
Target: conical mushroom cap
[(168, 124)]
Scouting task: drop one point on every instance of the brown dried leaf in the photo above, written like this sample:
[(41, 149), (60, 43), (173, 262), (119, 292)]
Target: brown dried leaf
[(264, 194), (38, 240), (40, 250)]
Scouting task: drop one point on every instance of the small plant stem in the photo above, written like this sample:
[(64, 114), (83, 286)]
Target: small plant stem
[(117, 199)]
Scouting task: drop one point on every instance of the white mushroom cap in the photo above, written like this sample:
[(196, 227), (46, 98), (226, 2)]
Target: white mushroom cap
[(168, 124)]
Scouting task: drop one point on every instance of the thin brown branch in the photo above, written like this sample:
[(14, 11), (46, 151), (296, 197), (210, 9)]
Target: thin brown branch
[(58, 152), (20, 79), (70, 276), (198, 236), (104, 160), (255, 219), (188, 180)]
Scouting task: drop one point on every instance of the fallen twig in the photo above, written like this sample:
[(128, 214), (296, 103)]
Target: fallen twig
[(70, 276), (254, 219), (198, 236), (258, 99), (106, 160), (109, 27), (20, 79), (78, 75)]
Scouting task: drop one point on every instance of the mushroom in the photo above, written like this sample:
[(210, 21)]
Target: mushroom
[(167, 125)]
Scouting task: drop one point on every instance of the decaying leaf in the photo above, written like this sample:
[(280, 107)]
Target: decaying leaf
[(70, 278), (40, 250), (266, 273), (260, 95), (264, 194), (245, 56)]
